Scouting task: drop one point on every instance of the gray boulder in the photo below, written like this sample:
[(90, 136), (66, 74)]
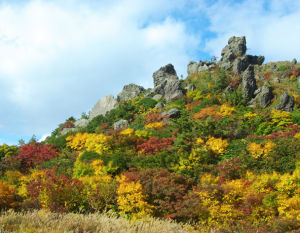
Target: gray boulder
[(130, 91), (67, 130), (159, 105), (249, 82), (120, 124), (255, 60), (240, 65), (164, 73), (263, 96), (173, 90), (286, 103), (294, 61), (192, 68), (166, 83), (172, 113), (81, 123), (236, 47), (104, 105)]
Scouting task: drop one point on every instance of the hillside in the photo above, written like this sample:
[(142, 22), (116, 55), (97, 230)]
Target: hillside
[(219, 150)]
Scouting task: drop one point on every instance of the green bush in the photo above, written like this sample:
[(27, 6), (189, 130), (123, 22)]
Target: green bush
[(89, 156)]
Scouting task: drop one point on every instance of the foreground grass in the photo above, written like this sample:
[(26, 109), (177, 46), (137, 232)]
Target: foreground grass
[(45, 221)]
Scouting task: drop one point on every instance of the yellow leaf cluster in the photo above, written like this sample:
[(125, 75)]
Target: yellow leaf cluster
[(131, 200), (77, 141), (154, 125), (128, 131), (195, 95), (143, 134), (257, 150), (226, 110), (199, 141), (250, 116), (90, 142), (217, 145), (281, 118), (297, 136)]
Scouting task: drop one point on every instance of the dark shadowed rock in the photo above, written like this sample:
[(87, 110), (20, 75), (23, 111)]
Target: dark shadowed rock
[(286, 103), (120, 124), (263, 97), (130, 91), (104, 105), (255, 60), (164, 73), (240, 64), (172, 113), (190, 87), (249, 82)]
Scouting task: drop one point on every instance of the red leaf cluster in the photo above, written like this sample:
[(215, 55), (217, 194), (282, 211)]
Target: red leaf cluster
[(35, 153), (154, 145)]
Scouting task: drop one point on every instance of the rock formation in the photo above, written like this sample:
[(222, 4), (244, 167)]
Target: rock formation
[(120, 124), (286, 103), (249, 82), (130, 91), (104, 105)]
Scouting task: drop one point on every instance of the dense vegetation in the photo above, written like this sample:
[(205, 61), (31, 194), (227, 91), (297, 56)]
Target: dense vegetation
[(220, 165)]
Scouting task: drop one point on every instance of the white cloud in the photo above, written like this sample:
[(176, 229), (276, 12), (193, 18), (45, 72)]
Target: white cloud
[(271, 27), (58, 58)]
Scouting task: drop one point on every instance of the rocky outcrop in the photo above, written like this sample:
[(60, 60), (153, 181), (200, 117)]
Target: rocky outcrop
[(286, 103), (194, 67), (81, 123), (104, 105), (67, 130), (234, 56), (172, 113), (166, 83), (164, 73), (130, 91), (249, 82), (120, 124), (263, 97), (173, 90)]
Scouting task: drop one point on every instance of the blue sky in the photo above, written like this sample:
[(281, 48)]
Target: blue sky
[(59, 57)]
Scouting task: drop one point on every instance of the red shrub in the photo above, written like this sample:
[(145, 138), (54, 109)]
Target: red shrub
[(267, 76), (153, 117), (170, 193), (35, 153), (155, 145), (62, 193)]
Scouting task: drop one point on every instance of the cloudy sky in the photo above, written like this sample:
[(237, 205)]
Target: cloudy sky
[(58, 57)]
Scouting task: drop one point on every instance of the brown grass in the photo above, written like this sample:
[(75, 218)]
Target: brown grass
[(45, 221)]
